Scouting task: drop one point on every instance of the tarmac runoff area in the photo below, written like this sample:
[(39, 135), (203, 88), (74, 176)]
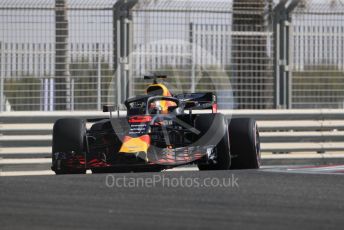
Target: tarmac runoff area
[(274, 197)]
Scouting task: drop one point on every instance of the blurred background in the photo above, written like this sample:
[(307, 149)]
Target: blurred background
[(71, 55)]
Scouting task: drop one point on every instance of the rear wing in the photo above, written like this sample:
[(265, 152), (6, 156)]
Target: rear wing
[(199, 101)]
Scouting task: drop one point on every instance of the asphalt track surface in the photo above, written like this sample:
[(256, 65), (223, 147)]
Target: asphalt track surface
[(262, 200)]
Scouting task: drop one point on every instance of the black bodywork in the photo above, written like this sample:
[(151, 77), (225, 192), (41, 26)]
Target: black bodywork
[(171, 136)]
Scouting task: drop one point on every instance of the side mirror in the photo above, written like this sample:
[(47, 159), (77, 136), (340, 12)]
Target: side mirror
[(109, 108)]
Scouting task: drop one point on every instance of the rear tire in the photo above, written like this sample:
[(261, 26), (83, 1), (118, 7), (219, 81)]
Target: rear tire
[(245, 143), (214, 131), (68, 136)]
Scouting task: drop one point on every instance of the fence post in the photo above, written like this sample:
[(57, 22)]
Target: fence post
[(129, 23), (1, 78), (122, 37), (45, 93), (61, 51), (193, 54), (290, 66), (51, 91), (282, 53), (72, 94), (99, 95), (118, 66)]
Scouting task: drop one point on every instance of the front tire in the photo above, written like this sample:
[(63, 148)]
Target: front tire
[(245, 143), (68, 136), (214, 131)]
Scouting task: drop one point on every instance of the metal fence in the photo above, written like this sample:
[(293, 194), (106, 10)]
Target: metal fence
[(54, 55), (80, 54), (318, 55), (221, 46)]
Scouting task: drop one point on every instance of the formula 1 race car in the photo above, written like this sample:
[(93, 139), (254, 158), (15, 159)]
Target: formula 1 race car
[(160, 131)]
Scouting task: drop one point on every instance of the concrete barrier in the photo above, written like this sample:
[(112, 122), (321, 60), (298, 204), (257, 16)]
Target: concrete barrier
[(26, 136)]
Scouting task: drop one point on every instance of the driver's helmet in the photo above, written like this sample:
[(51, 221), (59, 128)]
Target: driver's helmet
[(161, 106), (155, 107)]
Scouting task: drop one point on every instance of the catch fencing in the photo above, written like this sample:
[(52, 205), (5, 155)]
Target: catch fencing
[(255, 54)]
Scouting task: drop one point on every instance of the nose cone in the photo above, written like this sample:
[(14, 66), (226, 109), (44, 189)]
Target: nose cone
[(135, 144)]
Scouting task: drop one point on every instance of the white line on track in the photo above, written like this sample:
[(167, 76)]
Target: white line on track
[(291, 169), (50, 172), (27, 173), (25, 161), (183, 169), (326, 169), (319, 169)]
